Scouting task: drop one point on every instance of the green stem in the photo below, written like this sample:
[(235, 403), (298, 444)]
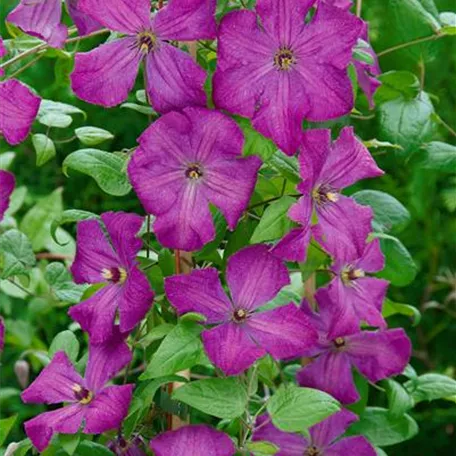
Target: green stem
[(409, 43), (359, 6)]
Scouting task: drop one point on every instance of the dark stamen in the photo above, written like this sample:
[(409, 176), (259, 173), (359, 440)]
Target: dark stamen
[(325, 194), (312, 451), (240, 315), (194, 171), (339, 342), (146, 42), (82, 395), (284, 59), (115, 275)]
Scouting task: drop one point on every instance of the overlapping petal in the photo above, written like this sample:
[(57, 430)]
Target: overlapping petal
[(325, 432), (7, 183), (351, 445), (84, 23)]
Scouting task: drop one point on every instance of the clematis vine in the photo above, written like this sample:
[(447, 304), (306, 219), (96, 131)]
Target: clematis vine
[(324, 438), (285, 70), (185, 161), (106, 75), (110, 259), (375, 354), (193, 440), (90, 401), (7, 183), (240, 332), (326, 168)]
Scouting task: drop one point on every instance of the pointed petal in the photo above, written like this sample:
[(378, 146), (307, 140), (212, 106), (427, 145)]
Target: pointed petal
[(380, 354), (230, 348), (18, 109), (7, 183), (351, 445), (193, 440), (108, 409), (255, 276), (106, 75), (55, 382), (293, 246), (372, 259), (201, 292), (285, 332), (41, 19), (331, 373), (125, 16), (66, 420), (325, 432), (187, 20), (84, 23)]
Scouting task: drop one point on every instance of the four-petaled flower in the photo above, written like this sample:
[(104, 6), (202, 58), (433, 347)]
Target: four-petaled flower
[(110, 258), (106, 75), (7, 183), (284, 70), (326, 168), (324, 438), (241, 333), (185, 161), (90, 400), (376, 354)]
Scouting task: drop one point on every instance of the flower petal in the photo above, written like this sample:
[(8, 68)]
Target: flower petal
[(84, 22), (372, 259), (230, 348), (194, 440), (108, 409), (201, 292), (55, 382), (187, 20), (325, 432), (125, 16), (293, 246), (105, 75), (41, 19), (7, 183), (255, 276), (174, 80), (351, 445), (18, 109)]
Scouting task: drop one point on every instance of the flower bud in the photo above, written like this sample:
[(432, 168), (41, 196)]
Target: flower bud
[(22, 371)]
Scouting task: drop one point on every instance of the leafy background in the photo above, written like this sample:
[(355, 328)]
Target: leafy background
[(413, 106)]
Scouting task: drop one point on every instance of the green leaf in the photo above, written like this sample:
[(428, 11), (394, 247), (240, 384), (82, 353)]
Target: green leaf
[(383, 429), (274, 223), (55, 120), (397, 84), (69, 442), (5, 428), (147, 110), (61, 283), (65, 341), (91, 136), (108, 169), (448, 20), (399, 400), (376, 144), (21, 448), (400, 269), (255, 143), (393, 308), (316, 257), (288, 167), (17, 253), (439, 156), (262, 448), (363, 56), (6, 160), (220, 397), (429, 387), (44, 148), (389, 214), (70, 216), (88, 448), (295, 409)]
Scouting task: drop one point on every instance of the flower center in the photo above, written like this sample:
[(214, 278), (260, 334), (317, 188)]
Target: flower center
[(312, 451), (284, 59), (339, 342), (83, 395), (194, 171), (115, 275), (349, 273), (324, 194), (240, 315), (146, 42)]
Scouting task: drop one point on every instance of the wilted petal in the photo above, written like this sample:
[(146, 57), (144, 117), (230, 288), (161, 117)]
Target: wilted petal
[(7, 183), (255, 276), (187, 20), (106, 75), (230, 348), (201, 292), (380, 354), (41, 19), (18, 109), (55, 382), (108, 409), (325, 432), (174, 80), (84, 23), (66, 420), (351, 445), (194, 440)]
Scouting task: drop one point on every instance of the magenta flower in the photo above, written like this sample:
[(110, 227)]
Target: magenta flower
[(241, 333), (324, 438), (326, 168), (7, 183), (112, 261), (84, 23), (106, 75), (375, 354), (343, 4), (186, 161), (18, 109), (284, 70), (195, 440), (90, 400)]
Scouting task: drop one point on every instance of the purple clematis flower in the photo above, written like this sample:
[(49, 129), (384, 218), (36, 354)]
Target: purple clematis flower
[(185, 161), (343, 4), (7, 183), (112, 261), (326, 168), (241, 334), (90, 401), (356, 296), (18, 109), (284, 70), (195, 440), (324, 438), (84, 23), (376, 354), (106, 75)]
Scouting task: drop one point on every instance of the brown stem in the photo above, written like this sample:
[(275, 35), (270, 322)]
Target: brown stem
[(53, 256)]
